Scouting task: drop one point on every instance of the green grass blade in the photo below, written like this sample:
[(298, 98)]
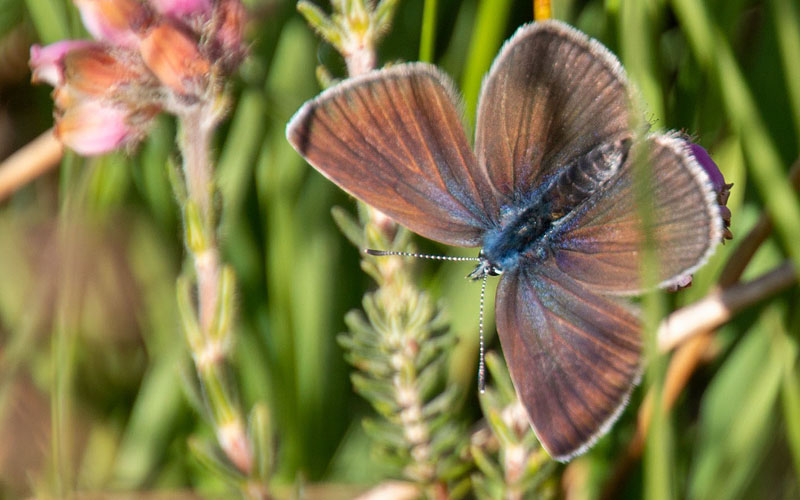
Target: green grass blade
[(790, 395), (428, 36), (49, 17), (787, 22), (639, 52), (487, 35), (737, 414), (237, 160), (765, 166)]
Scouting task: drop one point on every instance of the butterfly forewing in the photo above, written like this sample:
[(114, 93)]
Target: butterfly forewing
[(573, 355), (551, 95), (601, 245), (394, 139)]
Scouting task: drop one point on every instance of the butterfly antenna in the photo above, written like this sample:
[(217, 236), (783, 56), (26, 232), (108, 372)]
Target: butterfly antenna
[(481, 361), (384, 253)]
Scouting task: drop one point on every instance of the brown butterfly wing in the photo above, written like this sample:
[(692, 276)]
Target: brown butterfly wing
[(393, 138), (573, 355), (552, 95), (601, 245)]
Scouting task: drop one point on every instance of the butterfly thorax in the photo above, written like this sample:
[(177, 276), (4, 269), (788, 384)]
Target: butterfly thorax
[(525, 229)]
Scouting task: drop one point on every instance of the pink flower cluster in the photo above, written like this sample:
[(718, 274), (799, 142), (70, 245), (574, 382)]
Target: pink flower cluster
[(145, 58)]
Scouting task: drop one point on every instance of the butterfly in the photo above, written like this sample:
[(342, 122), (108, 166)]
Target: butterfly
[(548, 193)]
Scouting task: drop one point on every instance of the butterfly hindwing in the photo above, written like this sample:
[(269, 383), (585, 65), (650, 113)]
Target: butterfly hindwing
[(394, 139), (600, 246), (573, 355)]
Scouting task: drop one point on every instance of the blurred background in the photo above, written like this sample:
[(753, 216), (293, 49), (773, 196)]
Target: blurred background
[(93, 364)]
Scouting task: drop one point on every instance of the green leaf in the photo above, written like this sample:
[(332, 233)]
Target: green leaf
[(209, 455), (259, 432), (349, 226), (321, 23), (485, 464), (737, 415)]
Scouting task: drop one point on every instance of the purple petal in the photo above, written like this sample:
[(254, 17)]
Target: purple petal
[(722, 189), (711, 168)]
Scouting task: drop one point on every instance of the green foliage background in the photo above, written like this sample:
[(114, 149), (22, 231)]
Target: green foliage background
[(91, 353)]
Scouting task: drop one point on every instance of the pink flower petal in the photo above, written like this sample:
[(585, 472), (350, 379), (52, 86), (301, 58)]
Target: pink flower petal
[(231, 28), (180, 9), (93, 127), (173, 56), (47, 62), (98, 71), (116, 21)]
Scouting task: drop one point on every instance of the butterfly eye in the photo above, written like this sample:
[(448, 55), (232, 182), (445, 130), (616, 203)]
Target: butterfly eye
[(494, 270)]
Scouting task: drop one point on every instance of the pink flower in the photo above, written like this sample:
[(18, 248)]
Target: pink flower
[(96, 71), (723, 191), (92, 127), (232, 15), (147, 57)]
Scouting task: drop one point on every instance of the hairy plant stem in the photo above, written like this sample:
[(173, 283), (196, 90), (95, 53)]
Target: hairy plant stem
[(195, 143), (211, 337)]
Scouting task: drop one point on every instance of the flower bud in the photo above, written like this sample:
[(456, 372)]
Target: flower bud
[(47, 62), (93, 127), (116, 21), (232, 17), (174, 58), (722, 189), (94, 71)]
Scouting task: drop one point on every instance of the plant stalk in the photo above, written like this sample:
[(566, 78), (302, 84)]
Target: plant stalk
[(210, 349)]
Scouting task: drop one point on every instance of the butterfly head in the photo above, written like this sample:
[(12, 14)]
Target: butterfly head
[(485, 267)]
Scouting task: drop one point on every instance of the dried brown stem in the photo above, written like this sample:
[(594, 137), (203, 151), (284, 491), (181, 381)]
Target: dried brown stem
[(28, 163), (719, 306)]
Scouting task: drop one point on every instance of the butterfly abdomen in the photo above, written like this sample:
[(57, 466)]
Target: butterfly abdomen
[(585, 176)]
